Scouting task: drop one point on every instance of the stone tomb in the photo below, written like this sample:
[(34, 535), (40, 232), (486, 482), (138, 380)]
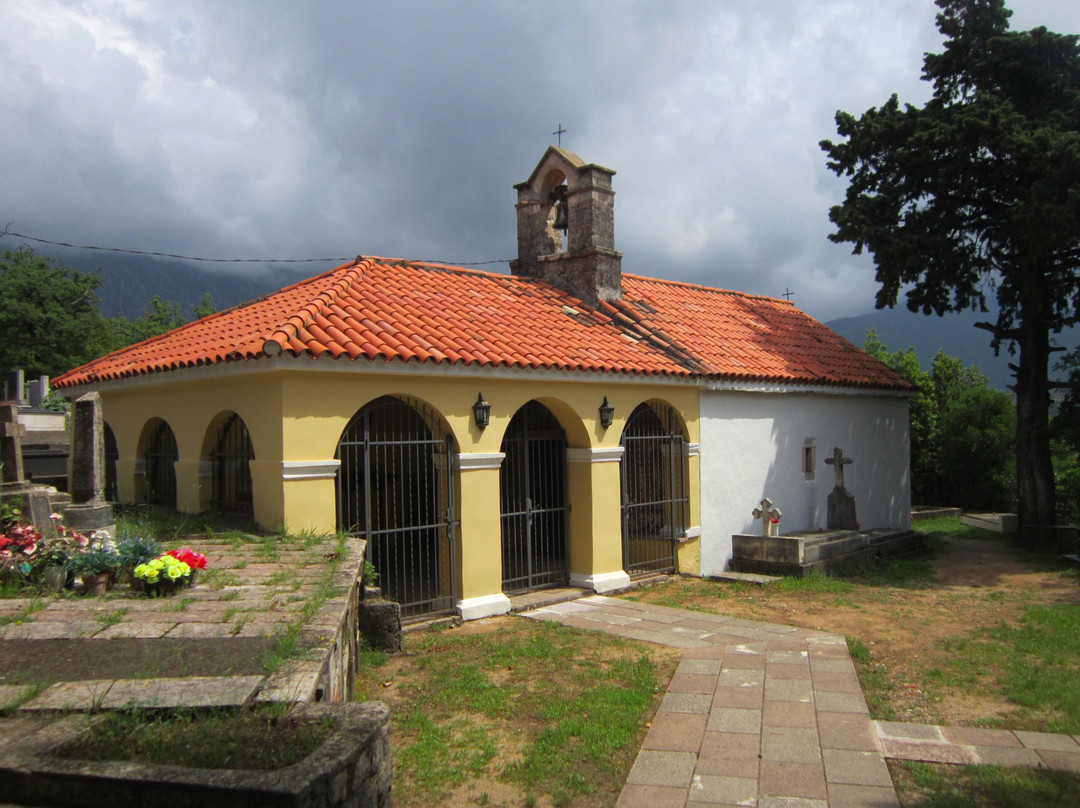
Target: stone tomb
[(844, 545), (798, 554)]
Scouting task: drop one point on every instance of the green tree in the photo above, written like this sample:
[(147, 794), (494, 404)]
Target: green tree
[(205, 307), (922, 419), (977, 428), (978, 192), (49, 320), (961, 431), (159, 316)]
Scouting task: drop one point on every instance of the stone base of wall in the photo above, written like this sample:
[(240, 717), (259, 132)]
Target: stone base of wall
[(350, 769)]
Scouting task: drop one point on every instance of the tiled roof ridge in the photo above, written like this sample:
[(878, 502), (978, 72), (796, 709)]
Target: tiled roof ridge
[(289, 329), (709, 289), (622, 314)]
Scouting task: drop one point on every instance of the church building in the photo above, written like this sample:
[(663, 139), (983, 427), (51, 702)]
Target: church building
[(491, 434)]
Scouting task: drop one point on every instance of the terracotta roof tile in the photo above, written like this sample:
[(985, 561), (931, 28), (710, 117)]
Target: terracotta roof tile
[(411, 312)]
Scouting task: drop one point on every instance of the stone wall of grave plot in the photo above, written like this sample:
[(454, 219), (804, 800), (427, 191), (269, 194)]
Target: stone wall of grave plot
[(754, 445), (352, 768), (326, 670)]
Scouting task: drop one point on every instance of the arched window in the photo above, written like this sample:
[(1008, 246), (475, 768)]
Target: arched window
[(161, 455), (230, 472), (112, 454)]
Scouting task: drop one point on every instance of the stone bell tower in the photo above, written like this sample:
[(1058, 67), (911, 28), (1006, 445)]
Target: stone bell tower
[(566, 227)]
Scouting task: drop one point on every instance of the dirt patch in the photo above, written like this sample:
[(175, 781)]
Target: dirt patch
[(30, 661), (974, 584)]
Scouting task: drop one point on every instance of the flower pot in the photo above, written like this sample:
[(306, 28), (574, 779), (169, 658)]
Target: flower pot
[(54, 576), (96, 583)]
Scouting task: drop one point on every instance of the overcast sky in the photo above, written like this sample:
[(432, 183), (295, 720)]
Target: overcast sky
[(251, 128)]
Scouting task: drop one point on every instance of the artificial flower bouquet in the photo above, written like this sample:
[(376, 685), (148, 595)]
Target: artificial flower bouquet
[(170, 571)]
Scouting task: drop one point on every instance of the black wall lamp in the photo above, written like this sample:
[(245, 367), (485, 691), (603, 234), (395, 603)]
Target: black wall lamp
[(482, 411), (607, 412)]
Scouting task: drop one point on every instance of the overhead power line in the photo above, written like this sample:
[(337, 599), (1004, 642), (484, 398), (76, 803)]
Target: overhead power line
[(154, 254)]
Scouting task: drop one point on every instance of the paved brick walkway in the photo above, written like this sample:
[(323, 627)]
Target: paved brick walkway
[(759, 714)]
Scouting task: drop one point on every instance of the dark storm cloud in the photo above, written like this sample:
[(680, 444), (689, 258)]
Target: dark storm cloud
[(299, 130)]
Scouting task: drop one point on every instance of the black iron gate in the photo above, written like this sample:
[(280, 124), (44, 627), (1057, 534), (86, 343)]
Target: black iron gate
[(230, 472), (533, 501), (394, 488), (654, 499), (161, 457), (112, 454)]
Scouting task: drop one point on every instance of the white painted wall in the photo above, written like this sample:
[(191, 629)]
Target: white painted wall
[(752, 447)]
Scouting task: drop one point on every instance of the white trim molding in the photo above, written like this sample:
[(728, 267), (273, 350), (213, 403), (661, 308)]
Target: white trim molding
[(469, 461), (690, 534), (609, 455), (309, 469), (206, 468), (602, 582), (693, 450), (140, 467), (483, 606)]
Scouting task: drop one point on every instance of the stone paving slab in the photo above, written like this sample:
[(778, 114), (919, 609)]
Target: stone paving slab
[(108, 694), (237, 601), (771, 716)]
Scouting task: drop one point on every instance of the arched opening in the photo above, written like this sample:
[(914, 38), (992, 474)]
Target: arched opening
[(532, 483), (161, 456), (395, 489), (112, 454), (654, 490), (230, 472)]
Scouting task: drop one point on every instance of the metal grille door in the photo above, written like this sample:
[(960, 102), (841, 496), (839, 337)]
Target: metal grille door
[(394, 489), (160, 468), (231, 474), (534, 513), (653, 489)]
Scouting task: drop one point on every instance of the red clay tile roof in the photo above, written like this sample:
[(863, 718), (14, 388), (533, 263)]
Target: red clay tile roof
[(390, 310), (741, 337)]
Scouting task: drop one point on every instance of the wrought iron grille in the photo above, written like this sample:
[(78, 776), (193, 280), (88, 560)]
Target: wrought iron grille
[(533, 495), (654, 495), (112, 454), (161, 456), (230, 472), (394, 488)]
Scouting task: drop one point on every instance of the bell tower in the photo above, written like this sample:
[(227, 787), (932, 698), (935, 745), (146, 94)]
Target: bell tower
[(566, 227)]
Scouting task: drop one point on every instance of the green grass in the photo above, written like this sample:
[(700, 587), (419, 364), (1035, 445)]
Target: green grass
[(1036, 664), (876, 683), (261, 739), (26, 613), (940, 786), (30, 691), (573, 703), (111, 618), (287, 644)]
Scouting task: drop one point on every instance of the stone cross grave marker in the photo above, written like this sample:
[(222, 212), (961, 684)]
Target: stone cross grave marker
[(11, 432), (769, 516), (841, 510), (838, 461)]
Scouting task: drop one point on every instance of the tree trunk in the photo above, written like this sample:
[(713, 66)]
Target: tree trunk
[(1034, 470)]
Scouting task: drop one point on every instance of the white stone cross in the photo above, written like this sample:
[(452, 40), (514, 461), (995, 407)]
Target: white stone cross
[(769, 516), (838, 461)]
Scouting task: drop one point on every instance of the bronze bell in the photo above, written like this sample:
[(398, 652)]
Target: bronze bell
[(562, 210)]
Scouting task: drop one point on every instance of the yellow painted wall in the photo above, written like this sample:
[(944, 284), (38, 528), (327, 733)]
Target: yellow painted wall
[(300, 415)]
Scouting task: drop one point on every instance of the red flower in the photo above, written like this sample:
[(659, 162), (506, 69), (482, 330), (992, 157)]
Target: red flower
[(197, 561)]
